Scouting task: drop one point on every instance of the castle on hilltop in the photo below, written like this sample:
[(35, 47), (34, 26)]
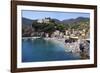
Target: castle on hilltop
[(45, 20)]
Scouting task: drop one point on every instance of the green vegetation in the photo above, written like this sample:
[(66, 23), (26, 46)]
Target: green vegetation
[(48, 27)]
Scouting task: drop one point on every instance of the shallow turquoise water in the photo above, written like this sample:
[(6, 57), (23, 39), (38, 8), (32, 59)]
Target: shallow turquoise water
[(44, 50)]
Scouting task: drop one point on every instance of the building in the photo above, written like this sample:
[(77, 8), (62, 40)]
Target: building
[(45, 20)]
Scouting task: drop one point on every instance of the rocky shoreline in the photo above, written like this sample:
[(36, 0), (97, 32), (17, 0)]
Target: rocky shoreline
[(80, 47)]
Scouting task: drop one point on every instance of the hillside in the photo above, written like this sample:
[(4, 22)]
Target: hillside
[(77, 23)]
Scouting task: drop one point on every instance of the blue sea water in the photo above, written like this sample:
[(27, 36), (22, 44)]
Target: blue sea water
[(38, 50)]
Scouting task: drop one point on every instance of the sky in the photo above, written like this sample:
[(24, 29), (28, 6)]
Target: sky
[(30, 14)]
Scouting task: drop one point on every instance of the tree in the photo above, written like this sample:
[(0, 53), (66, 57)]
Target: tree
[(61, 27)]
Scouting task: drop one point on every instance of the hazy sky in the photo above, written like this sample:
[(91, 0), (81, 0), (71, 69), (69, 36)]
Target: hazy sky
[(58, 15)]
